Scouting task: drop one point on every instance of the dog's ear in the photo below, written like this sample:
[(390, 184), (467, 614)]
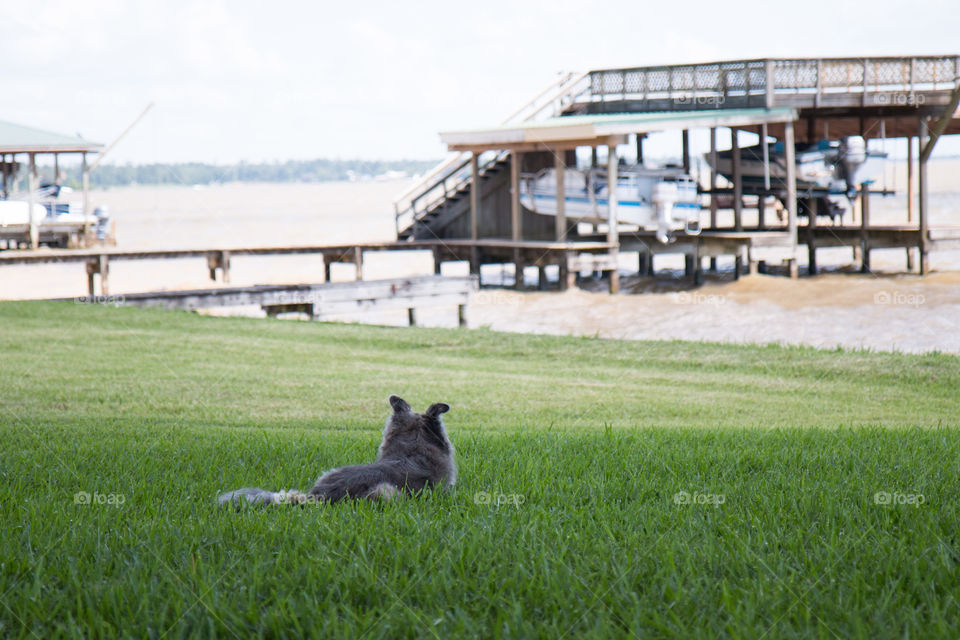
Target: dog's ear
[(438, 408), (399, 404)]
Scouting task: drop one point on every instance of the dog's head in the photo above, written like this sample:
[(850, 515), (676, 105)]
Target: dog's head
[(427, 426)]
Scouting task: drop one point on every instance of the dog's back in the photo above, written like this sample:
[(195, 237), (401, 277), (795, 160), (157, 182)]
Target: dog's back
[(415, 454)]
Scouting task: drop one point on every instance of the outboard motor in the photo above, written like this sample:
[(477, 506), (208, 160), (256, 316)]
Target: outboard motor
[(664, 196), (851, 156)]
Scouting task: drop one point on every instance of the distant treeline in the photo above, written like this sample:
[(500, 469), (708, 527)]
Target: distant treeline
[(190, 173)]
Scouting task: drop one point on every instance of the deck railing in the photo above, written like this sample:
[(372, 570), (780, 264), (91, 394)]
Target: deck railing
[(878, 81)]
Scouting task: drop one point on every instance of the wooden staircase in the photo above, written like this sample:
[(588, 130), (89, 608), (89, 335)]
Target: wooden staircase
[(455, 202), (442, 196)]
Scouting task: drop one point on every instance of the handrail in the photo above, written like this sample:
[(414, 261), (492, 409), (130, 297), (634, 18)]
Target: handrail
[(708, 84), (405, 203)]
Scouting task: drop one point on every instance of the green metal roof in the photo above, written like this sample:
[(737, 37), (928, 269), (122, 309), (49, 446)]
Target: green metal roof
[(16, 138)]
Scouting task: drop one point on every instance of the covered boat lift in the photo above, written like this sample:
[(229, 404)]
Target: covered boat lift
[(559, 135), (18, 140), (793, 99)]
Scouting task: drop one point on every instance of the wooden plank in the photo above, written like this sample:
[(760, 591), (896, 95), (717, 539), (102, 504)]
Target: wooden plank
[(791, 167), (737, 180), (560, 170), (613, 221), (515, 223), (922, 209), (864, 229)]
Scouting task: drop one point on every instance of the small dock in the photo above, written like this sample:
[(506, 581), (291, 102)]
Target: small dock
[(317, 301)]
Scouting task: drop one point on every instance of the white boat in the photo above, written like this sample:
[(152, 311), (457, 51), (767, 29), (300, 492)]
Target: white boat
[(663, 200), (56, 220)]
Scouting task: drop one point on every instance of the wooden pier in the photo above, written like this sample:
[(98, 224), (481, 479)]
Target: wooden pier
[(475, 193), (569, 256)]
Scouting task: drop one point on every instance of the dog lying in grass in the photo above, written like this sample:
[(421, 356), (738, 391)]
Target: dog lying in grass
[(415, 454)]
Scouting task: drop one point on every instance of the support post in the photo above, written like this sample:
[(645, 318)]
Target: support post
[(737, 180), (560, 170), (219, 260), (85, 179), (640, 137), (99, 264), (326, 268), (922, 203), (713, 186), (474, 211), (791, 162), (516, 231), (462, 315), (762, 200), (31, 201), (437, 263), (811, 206), (613, 234), (358, 262), (911, 204), (412, 317), (865, 228), (686, 150)]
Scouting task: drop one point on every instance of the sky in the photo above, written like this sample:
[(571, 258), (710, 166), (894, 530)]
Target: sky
[(259, 81)]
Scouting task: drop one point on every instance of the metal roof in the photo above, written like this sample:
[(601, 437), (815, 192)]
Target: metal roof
[(16, 138), (581, 128)]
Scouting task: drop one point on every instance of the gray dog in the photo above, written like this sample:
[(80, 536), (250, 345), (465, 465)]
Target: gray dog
[(415, 454)]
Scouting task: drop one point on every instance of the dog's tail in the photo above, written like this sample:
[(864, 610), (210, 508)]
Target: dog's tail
[(261, 497)]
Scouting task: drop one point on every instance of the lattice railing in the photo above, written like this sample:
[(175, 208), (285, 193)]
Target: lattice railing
[(760, 81)]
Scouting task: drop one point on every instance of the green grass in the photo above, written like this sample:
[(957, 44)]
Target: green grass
[(585, 443)]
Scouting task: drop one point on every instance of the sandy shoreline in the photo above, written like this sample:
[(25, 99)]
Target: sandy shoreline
[(899, 313), (882, 312)]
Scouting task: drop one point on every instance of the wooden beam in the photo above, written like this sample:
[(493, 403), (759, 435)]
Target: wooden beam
[(713, 186), (474, 195), (922, 203), (911, 204), (547, 145), (865, 228), (685, 142), (475, 211), (737, 180), (791, 162), (358, 262), (31, 201), (941, 124), (85, 178), (516, 231), (560, 170), (613, 234), (811, 205)]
